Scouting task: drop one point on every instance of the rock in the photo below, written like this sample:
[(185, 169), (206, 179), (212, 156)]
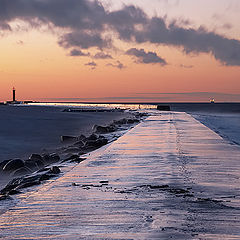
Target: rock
[(43, 170), (34, 164), (46, 176), (31, 165), (40, 164), (92, 137), (11, 185), (50, 158), (24, 182), (46, 158), (54, 157), (101, 141), (121, 121), (78, 160), (132, 120), (28, 181), (72, 150), (74, 184), (79, 143), (67, 139), (81, 138), (14, 192), (106, 129), (22, 171), (126, 121), (2, 164), (28, 184), (75, 156), (13, 165), (5, 197), (35, 157), (163, 108), (104, 182), (55, 170)]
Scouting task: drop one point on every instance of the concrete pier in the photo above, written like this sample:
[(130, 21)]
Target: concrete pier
[(170, 177)]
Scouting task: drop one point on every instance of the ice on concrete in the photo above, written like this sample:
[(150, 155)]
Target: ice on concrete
[(169, 177)]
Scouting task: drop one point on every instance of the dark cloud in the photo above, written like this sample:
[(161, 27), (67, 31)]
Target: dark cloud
[(145, 57), (4, 26), (84, 40), (118, 65), (102, 55), (93, 65), (126, 21), (185, 66), (86, 22), (78, 53), (223, 49)]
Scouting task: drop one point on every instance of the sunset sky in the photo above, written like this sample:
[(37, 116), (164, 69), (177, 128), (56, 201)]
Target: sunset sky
[(120, 50)]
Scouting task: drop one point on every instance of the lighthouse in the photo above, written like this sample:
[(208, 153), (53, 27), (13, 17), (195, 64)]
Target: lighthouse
[(14, 94)]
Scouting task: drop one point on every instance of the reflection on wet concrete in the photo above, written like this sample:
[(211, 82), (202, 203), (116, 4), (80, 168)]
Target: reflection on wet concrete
[(168, 178)]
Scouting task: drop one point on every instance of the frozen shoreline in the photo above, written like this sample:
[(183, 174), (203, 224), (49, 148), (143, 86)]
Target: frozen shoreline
[(225, 125), (222, 118)]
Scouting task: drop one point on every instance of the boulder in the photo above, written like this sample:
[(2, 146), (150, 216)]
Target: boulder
[(126, 121), (104, 129), (45, 177), (92, 137), (54, 157), (35, 164), (77, 160), (31, 165), (68, 139), (22, 171), (43, 170), (72, 150), (81, 138), (28, 181), (55, 170), (35, 157), (163, 108), (40, 164), (14, 192), (79, 143), (12, 165), (50, 158), (72, 157), (96, 143), (132, 120), (2, 164), (5, 197), (121, 121)]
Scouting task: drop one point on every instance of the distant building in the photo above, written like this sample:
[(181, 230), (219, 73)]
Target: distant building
[(14, 101), (14, 95)]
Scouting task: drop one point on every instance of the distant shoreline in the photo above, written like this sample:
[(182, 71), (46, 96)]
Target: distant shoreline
[(181, 107)]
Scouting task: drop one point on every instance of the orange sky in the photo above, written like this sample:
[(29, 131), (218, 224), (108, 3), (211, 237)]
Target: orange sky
[(40, 69)]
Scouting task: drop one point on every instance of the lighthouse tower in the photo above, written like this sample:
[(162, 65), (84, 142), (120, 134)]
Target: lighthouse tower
[(14, 94)]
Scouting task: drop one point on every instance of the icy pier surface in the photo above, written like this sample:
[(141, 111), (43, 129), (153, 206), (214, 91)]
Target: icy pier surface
[(170, 177)]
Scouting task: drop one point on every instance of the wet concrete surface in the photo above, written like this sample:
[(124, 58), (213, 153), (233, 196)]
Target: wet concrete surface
[(170, 177)]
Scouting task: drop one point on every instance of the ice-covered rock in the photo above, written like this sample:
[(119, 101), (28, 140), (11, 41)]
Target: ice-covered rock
[(13, 165)]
